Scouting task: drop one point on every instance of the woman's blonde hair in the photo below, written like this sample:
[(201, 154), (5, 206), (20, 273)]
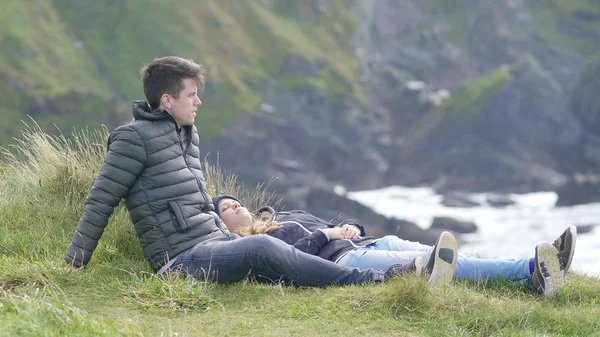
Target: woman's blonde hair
[(260, 225)]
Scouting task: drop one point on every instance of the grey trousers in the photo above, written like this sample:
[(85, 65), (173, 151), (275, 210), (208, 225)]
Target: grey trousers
[(267, 259)]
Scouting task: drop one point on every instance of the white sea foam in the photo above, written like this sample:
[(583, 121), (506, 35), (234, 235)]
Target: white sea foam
[(509, 232)]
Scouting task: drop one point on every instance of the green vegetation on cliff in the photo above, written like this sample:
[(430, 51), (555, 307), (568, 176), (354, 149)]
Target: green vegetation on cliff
[(473, 93), (41, 64), (77, 63), (574, 24), (74, 63), (467, 100)]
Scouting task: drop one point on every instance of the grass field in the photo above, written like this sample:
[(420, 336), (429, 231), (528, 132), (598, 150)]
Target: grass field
[(42, 188)]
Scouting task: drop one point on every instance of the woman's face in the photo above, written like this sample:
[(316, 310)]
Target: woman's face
[(234, 215)]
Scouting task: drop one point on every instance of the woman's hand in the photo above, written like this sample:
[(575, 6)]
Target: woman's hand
[(350, 232), (344, 232), (334, 233)]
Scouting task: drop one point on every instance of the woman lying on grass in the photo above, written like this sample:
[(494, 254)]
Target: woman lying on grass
[(347, 245)]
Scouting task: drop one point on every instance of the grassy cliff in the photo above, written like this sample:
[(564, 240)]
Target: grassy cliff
[(571, 24), (77, 63)]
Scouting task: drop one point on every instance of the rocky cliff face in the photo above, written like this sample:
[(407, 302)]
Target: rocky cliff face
[(468, 96), (584, 186), (462, 95), (505, 124)]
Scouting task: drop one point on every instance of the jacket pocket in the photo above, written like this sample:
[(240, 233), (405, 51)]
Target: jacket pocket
[(179, 221)]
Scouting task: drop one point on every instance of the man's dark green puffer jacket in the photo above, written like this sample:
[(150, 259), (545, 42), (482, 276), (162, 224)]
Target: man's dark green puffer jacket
[(163, 187)]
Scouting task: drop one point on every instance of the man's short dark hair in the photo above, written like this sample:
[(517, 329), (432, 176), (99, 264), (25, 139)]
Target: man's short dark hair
[(165, 75)]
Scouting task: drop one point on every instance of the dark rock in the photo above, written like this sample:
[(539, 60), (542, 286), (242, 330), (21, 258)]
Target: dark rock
[(454, 225), (585, 228), (327, 202), (499, 201), (585, 101), (578, 191), (407, 230), (585, 105), (458, 200), (486, 36)]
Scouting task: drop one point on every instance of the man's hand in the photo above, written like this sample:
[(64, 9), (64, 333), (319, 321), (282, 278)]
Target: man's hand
[(73, 268), (350, 232)]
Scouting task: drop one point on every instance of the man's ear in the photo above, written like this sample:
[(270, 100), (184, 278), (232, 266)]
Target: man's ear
[(166, 101)]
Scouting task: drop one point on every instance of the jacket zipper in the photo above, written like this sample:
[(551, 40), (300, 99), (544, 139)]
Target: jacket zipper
[(188, 165), (192, 172)]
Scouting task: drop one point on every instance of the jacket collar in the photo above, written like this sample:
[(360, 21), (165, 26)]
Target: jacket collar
[(141, 111)]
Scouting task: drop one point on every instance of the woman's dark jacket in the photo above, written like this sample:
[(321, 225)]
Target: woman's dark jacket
[(301, 229)]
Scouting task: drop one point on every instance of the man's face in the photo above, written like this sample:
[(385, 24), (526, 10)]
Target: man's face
[(234, 215), (183, 108)]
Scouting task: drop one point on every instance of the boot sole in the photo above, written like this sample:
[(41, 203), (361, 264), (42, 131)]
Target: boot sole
[(445, 261), (549, 264)]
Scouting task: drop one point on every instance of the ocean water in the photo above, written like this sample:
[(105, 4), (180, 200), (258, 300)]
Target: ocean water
[(510, 232)]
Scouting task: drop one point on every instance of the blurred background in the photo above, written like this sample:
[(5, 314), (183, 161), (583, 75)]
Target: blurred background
[(410, 116)]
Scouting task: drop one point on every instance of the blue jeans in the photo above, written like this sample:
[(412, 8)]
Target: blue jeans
[(391, 250), (268, 260)]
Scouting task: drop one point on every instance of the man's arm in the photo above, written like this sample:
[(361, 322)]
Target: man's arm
[(124, 162), (311, 244)]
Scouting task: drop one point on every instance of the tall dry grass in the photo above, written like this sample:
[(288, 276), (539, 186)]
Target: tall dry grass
[(40, 165), (219, 182)]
